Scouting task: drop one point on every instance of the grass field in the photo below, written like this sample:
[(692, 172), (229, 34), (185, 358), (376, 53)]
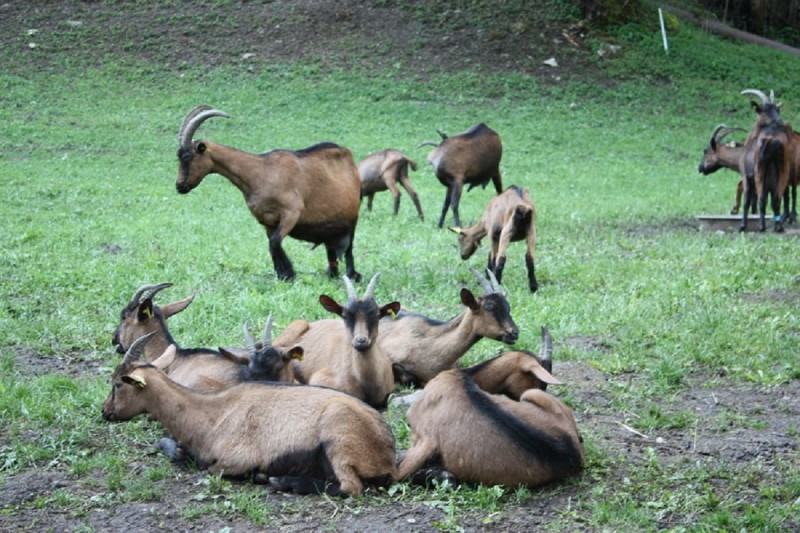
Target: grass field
[(629, 287)]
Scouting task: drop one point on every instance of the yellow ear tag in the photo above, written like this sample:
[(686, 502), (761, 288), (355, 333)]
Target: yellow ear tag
[(392, 314), (148, 312), (140, 382)]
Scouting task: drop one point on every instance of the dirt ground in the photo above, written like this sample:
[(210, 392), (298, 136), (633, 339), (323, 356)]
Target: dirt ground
[(347, 33)]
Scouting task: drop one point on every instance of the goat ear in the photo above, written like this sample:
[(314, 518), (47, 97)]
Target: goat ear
[(145, 310), (176, 307), (166, 358), (330, 304), (468, 299), (295, 352), (390, 309), (543, 375), (235, 355), (136, 381)]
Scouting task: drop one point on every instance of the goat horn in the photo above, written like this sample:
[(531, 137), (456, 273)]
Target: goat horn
[(759, 94), (193, 113), (193, 121), (249, 342), (496, 287), (136, 351), (148, 291), (371, 286), (727, 131), (351, 291), (487, 287), (442, 134), (546, 351), (427, 143), (268, 331)]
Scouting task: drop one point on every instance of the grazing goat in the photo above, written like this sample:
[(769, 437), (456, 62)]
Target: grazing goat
[(265, 361), (311, 194), (343, 353), (310, 438), (768, 149), (509, 217), (470, 158), (717, 155), (420, 347), (384, 170), (197, 368), (480, 437)]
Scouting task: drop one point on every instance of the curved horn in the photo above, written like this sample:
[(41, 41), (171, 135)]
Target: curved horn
[(487, 287), (351, 291), (191, 123), (427, 143), (759, 94), (371, 287), (148, 291), (136, 351), (249, 342), (268, 331), (727, 131), (546, 350), (496, 287), (188, 118)]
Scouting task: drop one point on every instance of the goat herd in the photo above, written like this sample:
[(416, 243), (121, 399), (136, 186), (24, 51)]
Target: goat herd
[(768, 161), (301, 412)]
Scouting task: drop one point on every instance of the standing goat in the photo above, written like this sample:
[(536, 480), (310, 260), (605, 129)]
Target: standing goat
[(509, 217), (313, 439), (343, 353), (384, 170), (311, 194), (420, 347), (768, 149), (470, 158), (482, 436), (717, 155)]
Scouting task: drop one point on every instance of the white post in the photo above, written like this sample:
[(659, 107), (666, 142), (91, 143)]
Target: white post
[(663, 30)]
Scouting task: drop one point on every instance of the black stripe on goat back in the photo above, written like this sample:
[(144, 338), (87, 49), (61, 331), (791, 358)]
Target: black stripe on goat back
[(558, 453), (316, 148), (477, 130), (517, 189)]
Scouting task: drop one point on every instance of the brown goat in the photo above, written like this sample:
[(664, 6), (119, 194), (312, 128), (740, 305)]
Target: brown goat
[(421, 347), (384, 170), (197, 368), (311, 194), (509, 217), (471, 158), (717, 155), (768, 149), (313, 439), (342, 353), (487, 438)]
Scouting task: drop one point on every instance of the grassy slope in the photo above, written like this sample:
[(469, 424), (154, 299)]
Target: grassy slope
[(90, 213)]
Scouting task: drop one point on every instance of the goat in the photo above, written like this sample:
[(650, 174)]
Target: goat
[(509, 217), (384, 170), (768, 149), (342, 353), (421, 347), (717, 155), (311, 194), (470, 158), (310, 438), (265, 361), (197, 368), (480, 437)]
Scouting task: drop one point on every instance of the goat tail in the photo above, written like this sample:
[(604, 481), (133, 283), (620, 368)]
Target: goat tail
[(412, 164)]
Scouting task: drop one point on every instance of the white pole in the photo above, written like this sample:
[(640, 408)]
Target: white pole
[(663, 30)]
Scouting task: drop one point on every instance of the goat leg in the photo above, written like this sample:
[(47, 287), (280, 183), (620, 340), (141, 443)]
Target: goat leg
[(446, 206), (532, 284)]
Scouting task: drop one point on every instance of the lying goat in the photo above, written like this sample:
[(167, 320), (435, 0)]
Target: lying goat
[(470, 158), (384, 170), (717, 155), (197, 368), (312, 438), (311, 194), (480, 437), (420, 347), (265, 362), (768, 149), (342, 353), (509, 217)]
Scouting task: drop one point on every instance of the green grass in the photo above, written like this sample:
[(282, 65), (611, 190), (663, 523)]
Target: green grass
[(90, 213)]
